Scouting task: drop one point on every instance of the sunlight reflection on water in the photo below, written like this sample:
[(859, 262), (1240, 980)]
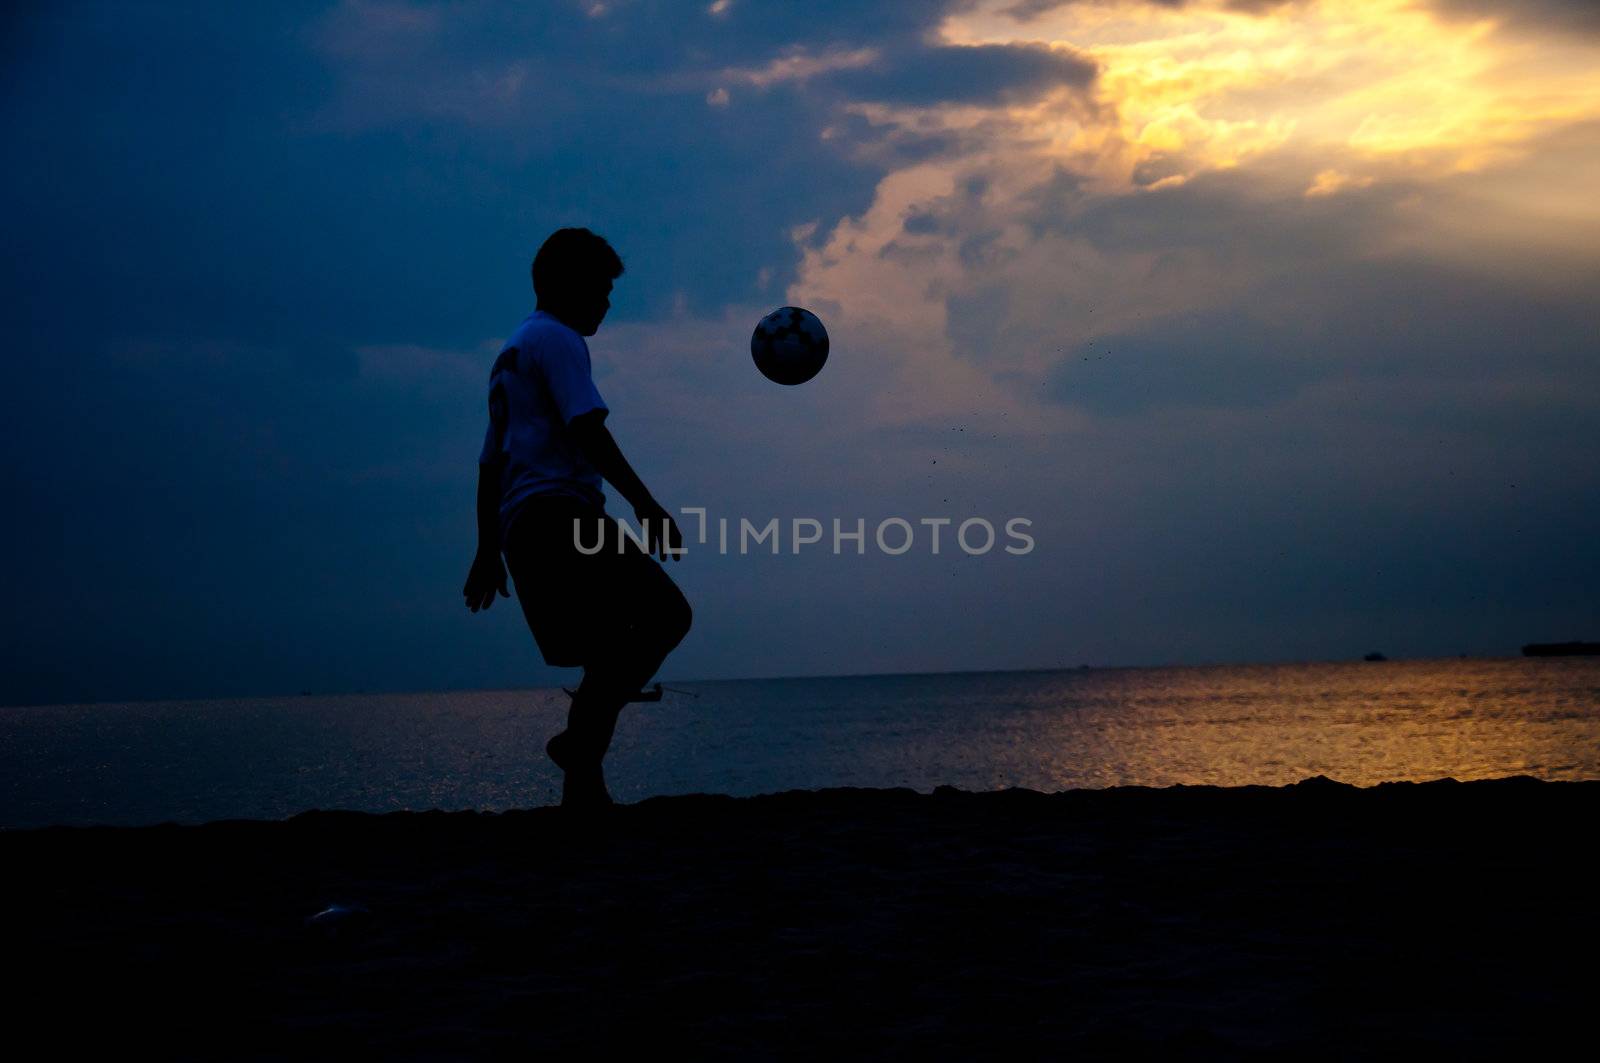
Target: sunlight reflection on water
[(1227, 725)]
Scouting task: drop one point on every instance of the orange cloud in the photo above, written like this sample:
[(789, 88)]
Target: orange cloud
[(1428, 129), (1369, 88)]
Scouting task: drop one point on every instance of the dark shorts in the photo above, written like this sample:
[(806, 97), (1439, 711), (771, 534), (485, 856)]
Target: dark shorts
[(578, 605)]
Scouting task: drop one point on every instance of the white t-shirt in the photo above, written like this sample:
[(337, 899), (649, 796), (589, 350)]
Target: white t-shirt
[(540, 382)]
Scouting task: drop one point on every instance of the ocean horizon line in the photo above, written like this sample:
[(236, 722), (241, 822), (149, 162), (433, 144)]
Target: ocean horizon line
[(676, 681)]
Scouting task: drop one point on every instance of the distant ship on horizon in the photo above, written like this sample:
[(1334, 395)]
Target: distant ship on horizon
[(1561, 649)]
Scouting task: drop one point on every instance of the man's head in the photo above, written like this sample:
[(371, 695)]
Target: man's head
[(572, 275)]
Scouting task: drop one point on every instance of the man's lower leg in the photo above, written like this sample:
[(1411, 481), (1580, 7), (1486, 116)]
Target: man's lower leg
[(580, 750), (607, 686)]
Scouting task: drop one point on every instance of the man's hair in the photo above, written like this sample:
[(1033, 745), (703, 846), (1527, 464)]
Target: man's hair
[(573, 259)]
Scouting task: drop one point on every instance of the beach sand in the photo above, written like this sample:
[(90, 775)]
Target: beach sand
[(1314, 920)]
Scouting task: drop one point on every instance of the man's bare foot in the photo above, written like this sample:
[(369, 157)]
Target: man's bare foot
[(585, 784), (585, 788)]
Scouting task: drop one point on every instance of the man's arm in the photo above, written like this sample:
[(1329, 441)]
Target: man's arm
[(595, 439), (488, 573), (489, 508), (592, 435)]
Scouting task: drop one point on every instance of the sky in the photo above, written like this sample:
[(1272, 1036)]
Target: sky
[(1275, 320)]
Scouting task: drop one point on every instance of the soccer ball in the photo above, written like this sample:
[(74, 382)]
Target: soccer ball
[(789, 345)]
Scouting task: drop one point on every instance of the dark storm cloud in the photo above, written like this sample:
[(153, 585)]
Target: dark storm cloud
[(269, 172), (1225, 212), (892, 147), (1361, 324), (976, 74), (1560, 15)]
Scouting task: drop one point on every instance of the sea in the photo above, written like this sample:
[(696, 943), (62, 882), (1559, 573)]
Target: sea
[(1267, 724)]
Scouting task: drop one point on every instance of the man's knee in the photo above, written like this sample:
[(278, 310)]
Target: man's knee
[(659, 617)]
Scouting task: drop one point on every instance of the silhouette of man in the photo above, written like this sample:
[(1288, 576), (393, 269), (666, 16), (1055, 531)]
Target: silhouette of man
[(611, 610)]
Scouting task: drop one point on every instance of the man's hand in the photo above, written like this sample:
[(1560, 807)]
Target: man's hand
[(487, 575), (660, 530)]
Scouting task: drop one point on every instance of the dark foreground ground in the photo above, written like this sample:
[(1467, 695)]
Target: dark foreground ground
[(1315, 920)]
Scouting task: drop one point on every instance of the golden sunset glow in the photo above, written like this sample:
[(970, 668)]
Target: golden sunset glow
[(1462, 142), (1358, 88)]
